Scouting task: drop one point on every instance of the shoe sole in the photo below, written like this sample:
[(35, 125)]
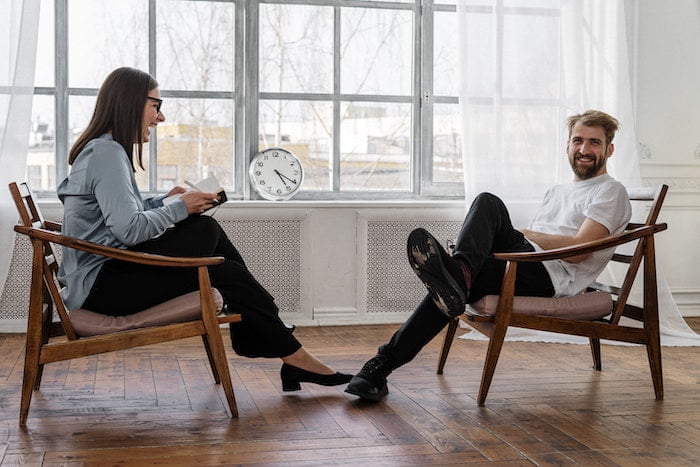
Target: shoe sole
[(367, 396), (424, 255)]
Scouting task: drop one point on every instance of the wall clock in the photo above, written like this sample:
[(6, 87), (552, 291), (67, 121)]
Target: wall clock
[(276, 174)]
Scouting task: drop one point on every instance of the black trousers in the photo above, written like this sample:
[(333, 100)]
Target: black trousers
[(124, 288), (487, 229)]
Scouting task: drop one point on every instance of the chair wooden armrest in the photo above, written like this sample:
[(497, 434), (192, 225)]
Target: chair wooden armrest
[(117, 253), (585, 247)]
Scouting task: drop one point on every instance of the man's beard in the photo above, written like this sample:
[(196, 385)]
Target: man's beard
[(590, 171)]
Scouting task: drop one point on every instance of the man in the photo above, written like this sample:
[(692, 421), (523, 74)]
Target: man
[(593, 206)]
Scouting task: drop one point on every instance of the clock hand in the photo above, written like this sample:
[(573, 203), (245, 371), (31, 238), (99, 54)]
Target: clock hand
[(281, 175)]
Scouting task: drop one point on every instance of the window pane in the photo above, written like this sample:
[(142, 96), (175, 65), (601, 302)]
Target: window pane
[(42, 145), (376, 51), (534, 56), (45, 68), (296, 48), (195, 45), (375, 146), (105, 35), (304, 128), (447, 145), (197, 139), (445, 56), (80, 111), (168, 177)]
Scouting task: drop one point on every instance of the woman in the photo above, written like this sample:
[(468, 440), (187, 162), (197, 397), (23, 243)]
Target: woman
[(102, 204)]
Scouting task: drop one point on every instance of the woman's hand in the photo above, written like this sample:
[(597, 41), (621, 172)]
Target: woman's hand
[(175, 191), (199, 201)]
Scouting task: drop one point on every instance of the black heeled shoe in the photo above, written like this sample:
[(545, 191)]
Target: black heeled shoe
[(291, 377)]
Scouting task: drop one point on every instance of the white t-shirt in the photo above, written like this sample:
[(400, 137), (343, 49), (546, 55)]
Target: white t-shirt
[(564, 209)]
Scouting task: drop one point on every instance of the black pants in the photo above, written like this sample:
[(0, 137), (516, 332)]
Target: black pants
[(124, 288), (487, 229)]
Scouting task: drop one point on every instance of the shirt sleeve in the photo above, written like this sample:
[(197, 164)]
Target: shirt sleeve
[(610, 207), (110, 178), (154, 202)]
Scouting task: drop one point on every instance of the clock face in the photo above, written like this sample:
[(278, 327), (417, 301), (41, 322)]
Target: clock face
[(276, 174)]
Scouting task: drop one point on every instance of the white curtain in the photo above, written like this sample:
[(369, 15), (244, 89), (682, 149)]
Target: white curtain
[(522, 72), (18, 41)]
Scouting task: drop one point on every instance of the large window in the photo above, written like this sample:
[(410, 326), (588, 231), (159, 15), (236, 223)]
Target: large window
[(363, 92)]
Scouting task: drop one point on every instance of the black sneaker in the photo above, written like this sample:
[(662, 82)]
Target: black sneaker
[(440, 273), (370, 382)]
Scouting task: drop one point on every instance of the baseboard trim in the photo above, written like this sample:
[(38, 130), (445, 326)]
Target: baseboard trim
[(688, 300), (18, 325)]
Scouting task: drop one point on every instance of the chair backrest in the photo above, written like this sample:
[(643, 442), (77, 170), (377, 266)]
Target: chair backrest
[(655, 196), (31, 216)]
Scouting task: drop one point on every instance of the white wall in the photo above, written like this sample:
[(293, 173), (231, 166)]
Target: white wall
[(668, 128)]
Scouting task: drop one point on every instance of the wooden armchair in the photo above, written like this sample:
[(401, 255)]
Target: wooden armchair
[(87, 333), (593, 314)]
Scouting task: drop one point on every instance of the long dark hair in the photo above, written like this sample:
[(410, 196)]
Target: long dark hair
[(119, 109)]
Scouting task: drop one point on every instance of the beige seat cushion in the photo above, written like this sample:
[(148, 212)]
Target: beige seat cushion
[(177, 310), (588, 305)]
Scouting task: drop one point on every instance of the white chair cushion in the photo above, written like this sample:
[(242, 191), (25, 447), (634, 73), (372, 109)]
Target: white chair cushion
[(588, 305), (177, 310)]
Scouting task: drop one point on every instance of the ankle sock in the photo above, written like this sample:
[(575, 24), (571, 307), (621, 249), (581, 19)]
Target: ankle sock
[(466, 271)]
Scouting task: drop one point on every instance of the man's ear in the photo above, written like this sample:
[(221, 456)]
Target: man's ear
[(611, 149)]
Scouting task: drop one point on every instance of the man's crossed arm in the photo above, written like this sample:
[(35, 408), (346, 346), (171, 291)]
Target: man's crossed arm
[(590, 230)]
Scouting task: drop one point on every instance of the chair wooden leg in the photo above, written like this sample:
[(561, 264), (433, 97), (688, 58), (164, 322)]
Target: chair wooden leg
[(494, 351), (221, 365), (31, 369), (212, 365), (447, 344), (651, 319), (35, 335), (653, 345), (654, 354), (216, 342), (45, 335), (595, 351)]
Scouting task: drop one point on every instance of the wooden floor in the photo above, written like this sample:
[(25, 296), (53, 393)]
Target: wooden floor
[(158, 405)]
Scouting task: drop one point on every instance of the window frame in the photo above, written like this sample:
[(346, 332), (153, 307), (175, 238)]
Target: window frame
[(247, 97)]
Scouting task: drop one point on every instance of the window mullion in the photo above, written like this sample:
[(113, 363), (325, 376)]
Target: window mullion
[(335, 156), (62, 139), (251, 87), (152, 68), (421, 160), (240, 161)]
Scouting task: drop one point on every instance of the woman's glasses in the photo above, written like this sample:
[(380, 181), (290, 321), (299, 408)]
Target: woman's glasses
[(159, 102)]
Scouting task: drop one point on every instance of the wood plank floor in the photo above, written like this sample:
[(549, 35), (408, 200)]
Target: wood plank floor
[(158, 405)]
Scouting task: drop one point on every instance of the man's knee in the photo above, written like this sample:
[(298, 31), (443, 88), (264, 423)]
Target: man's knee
[(486, 197), (486, 200)]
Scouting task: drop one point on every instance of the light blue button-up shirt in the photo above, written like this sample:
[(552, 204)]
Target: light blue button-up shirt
[(102, 204)]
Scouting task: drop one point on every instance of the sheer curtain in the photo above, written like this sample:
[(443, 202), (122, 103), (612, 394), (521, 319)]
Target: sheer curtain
[(18, 40), (523, 70)]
